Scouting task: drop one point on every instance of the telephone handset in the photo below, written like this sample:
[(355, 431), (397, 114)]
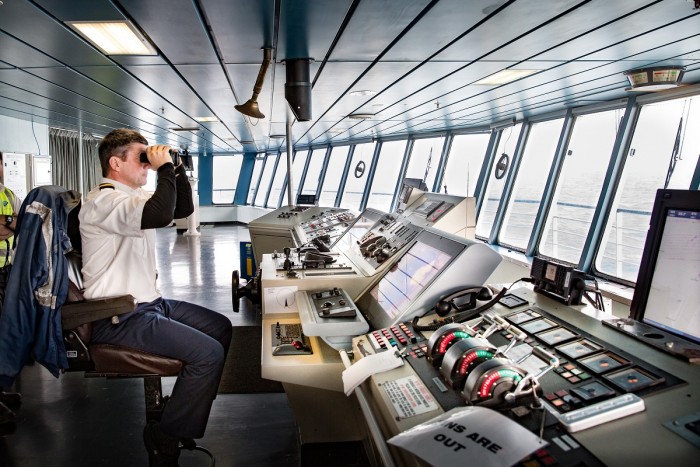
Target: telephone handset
[(461, 300)]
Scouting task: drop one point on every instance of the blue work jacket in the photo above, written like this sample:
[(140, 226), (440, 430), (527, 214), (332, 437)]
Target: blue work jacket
[(30, 324)]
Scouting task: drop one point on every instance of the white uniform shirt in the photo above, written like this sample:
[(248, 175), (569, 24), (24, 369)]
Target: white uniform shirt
[(118, 257)]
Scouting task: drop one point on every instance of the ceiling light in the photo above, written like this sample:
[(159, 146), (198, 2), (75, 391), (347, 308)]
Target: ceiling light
[(336, 131), (360, 116), (113, 37), (505, 76), (278, 136), (654, 78), (364, 92), (206, 119)]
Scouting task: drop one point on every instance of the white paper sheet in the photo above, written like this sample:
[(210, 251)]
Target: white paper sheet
[(368, 366), (280, 299), (469, 436)]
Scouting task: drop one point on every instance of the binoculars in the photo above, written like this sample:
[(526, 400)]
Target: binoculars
[(174, 154)]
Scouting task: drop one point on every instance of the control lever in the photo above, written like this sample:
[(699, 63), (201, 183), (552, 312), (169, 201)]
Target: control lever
[(518, 336), (497, 324), (288, 263), (534, 380)]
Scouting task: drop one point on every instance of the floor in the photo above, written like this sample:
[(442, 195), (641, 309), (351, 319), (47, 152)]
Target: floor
[(78, 421)]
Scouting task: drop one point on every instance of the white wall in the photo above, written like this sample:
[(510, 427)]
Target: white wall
[(23, 137)]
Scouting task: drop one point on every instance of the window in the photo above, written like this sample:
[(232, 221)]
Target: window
[(313, 173), (464, 164), (425, 158), (494, 188), (529, 183), (387, 173), (297, 171), (259, 161), (277, 183), (663, 154), (579, 184), (226, 170), (354, 185), (334, 172), (265, 180)]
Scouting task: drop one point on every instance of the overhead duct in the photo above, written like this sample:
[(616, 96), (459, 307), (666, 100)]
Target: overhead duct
[(297, 89), (250, 108)]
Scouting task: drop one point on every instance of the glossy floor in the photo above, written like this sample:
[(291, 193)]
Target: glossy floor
[(77, 421)]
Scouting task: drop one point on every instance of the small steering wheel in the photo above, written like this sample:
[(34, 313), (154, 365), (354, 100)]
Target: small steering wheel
[(501, 166)]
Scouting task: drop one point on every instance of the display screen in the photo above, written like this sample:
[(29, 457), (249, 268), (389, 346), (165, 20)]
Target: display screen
[(404, 281), (674, 294)]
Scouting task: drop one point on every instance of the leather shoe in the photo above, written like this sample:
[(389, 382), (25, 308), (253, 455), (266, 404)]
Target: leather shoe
[(163, 450), (6, 415)]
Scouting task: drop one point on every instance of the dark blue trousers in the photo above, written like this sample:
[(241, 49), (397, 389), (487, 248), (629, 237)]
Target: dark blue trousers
[(196, 335)]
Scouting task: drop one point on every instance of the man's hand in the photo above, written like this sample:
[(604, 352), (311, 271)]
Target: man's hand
[(158, 155)]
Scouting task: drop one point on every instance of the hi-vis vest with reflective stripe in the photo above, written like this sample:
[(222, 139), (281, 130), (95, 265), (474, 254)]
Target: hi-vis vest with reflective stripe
[(7, 199)]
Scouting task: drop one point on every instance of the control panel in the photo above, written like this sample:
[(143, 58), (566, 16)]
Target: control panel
[(384, 239), (326, 226), (530, 364), (331, 315), (333, 303), (289, 339)]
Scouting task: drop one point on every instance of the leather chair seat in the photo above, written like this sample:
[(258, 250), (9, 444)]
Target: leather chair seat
[(122, 361)]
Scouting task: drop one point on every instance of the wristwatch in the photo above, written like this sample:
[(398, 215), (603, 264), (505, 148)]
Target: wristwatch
[(9, 220)]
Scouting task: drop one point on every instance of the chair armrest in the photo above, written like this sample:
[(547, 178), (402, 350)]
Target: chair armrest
[(86, 311)]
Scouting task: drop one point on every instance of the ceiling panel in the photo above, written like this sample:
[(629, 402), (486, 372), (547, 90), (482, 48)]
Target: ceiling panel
[(175, 28), (421, 57)]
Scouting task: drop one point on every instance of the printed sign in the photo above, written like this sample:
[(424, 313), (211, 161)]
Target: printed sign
[(469, 436), (409, 396)]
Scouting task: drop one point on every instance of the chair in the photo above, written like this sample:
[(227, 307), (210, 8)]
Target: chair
[(51, 212), (105, 360)]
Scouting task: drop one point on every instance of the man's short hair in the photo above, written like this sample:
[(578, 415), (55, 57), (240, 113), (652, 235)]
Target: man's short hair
[(115, 143), (0, 156)]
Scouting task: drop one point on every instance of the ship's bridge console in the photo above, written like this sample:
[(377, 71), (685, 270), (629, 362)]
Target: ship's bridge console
[(590, 394), (592, 397), (295, 226), (452, 214)]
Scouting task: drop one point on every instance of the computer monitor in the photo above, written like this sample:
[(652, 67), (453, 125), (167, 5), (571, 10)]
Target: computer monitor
[(668, 285), (407, 186), (436, 264)]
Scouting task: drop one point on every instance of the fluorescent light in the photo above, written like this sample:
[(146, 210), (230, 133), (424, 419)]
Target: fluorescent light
[(360, 116), (505, 76), (206, 119), (185, 128), (113, 37), (363, 92)]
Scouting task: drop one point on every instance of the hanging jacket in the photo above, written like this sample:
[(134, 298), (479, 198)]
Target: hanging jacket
[(30, 324)]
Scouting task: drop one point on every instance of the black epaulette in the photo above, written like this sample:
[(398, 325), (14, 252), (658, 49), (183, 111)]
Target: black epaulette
[(106, 185)]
